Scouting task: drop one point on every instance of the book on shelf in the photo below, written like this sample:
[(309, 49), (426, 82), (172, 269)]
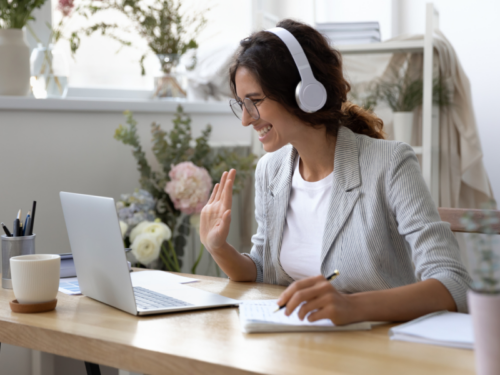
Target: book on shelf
[(345, 26), (350, 32)]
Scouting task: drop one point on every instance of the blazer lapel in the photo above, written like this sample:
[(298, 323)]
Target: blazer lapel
[(346, 179), (279, 189)]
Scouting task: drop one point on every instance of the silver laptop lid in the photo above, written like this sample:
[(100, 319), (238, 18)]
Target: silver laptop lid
[(97, 247)]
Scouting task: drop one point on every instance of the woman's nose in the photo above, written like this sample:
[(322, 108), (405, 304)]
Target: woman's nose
[(246, 119)]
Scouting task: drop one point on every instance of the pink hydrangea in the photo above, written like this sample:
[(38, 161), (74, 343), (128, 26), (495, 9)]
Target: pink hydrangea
[(189, 187)]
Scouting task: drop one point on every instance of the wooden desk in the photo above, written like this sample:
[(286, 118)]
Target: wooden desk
[(210, 341)]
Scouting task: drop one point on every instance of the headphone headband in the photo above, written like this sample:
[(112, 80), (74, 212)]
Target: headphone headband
[(310, 93)]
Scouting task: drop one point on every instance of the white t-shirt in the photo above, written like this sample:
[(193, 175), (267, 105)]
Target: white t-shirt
[(305, 223)]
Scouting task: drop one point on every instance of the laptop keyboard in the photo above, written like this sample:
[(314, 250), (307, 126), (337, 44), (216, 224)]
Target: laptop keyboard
[(147, 299)]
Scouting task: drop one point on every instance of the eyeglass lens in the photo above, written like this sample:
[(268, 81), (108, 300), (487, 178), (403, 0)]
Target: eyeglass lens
[(249, 106)]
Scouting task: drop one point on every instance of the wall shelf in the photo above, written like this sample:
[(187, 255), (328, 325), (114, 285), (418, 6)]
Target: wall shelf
[(430, 114)]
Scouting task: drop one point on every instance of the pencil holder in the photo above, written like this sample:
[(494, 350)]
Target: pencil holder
[(12, 247)]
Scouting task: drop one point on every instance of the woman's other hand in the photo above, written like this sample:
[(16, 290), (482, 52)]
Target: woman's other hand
[(321, 299), (216, 215)]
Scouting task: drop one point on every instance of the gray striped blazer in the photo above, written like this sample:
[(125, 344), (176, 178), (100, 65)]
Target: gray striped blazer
[(382, 231)]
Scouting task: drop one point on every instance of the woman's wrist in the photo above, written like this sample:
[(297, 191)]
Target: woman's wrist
[(357, 310), (219, 250)]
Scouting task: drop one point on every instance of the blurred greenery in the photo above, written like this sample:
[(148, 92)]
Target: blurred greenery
[(166, 27), (15, 14)]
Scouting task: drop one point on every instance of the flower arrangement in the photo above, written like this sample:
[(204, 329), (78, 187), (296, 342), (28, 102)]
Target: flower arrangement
[(16, 14), (483, 243), (176, 194)]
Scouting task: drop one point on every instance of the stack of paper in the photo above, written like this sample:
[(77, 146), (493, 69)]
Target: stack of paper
[(258, 316), (350, 32), (442, 328)]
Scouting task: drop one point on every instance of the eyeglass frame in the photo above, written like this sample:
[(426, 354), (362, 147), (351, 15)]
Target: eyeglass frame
[(242, 103)]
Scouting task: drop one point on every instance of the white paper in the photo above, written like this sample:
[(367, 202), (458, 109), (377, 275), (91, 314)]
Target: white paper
[(443, 328), (262, 311), (69, 286)]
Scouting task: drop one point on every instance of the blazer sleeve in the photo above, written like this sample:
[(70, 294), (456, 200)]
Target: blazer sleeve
[(435, 250), (257, 251)]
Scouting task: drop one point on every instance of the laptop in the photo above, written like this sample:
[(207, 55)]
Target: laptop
[(103, 274)]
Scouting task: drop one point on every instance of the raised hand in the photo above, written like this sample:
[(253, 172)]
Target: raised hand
[(216, 215)]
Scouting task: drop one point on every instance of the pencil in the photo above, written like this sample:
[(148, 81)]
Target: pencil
[(329, 278)]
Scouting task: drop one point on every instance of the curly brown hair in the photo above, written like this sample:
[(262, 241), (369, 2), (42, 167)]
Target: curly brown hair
[(270, 61)]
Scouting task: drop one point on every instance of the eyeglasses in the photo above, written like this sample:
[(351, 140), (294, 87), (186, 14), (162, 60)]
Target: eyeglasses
[(250, 106)]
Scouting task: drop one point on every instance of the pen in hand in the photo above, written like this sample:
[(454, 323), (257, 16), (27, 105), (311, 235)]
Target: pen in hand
[(329, 278)]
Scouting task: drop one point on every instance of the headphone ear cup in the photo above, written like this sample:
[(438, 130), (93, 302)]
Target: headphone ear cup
[(310, 98)]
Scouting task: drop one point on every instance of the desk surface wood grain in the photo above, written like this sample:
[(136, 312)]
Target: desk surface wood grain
[(210, 341)]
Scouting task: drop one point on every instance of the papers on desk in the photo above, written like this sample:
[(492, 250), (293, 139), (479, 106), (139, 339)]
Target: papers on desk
[(442, 328), (258, 316), (69, 285), (146, 279)]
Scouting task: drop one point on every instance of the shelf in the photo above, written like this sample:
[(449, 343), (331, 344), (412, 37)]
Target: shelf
[(383, 47), (111, 105)]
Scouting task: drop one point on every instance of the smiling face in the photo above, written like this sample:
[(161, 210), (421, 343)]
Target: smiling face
[(276, 126)]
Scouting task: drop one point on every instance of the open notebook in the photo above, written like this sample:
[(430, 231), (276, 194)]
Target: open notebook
[(258, 316), (442, 328)]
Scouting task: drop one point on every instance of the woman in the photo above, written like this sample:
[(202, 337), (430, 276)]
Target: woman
[(331, 194)]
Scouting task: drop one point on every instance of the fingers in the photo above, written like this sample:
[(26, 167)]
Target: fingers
[(227, 196), (324, 313), (320, 302), (214, 193), (296, 286), (221, 186)]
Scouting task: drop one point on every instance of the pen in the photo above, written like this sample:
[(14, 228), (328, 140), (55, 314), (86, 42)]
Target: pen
[(6, 230), (329, 278), (30, 229), (17, 225), (25, 228)]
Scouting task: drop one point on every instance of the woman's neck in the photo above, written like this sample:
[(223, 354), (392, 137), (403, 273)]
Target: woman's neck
[(317, 152)]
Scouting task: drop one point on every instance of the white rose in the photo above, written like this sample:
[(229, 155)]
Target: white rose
[(123, 227), (137, 230), (146, 248), (159, 229)]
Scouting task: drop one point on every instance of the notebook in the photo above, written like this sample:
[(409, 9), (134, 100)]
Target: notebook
[(258, 316), (442, 328)]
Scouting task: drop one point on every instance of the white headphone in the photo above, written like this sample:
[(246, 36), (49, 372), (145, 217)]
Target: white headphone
[(310, 93)]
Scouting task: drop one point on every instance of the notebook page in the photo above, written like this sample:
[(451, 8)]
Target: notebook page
[(441, 328), (262, 311)]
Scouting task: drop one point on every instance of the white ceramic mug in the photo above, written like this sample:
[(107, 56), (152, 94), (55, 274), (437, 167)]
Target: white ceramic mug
[(35, 278)]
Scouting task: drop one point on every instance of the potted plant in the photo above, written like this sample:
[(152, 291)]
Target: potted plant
[(403, 93), (14, 49), (484, 297), (168, 30)]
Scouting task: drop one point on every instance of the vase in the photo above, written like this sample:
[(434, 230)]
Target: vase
[(403, 126), (485, 311), (14, 63), (49, 72), (172, 81)]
